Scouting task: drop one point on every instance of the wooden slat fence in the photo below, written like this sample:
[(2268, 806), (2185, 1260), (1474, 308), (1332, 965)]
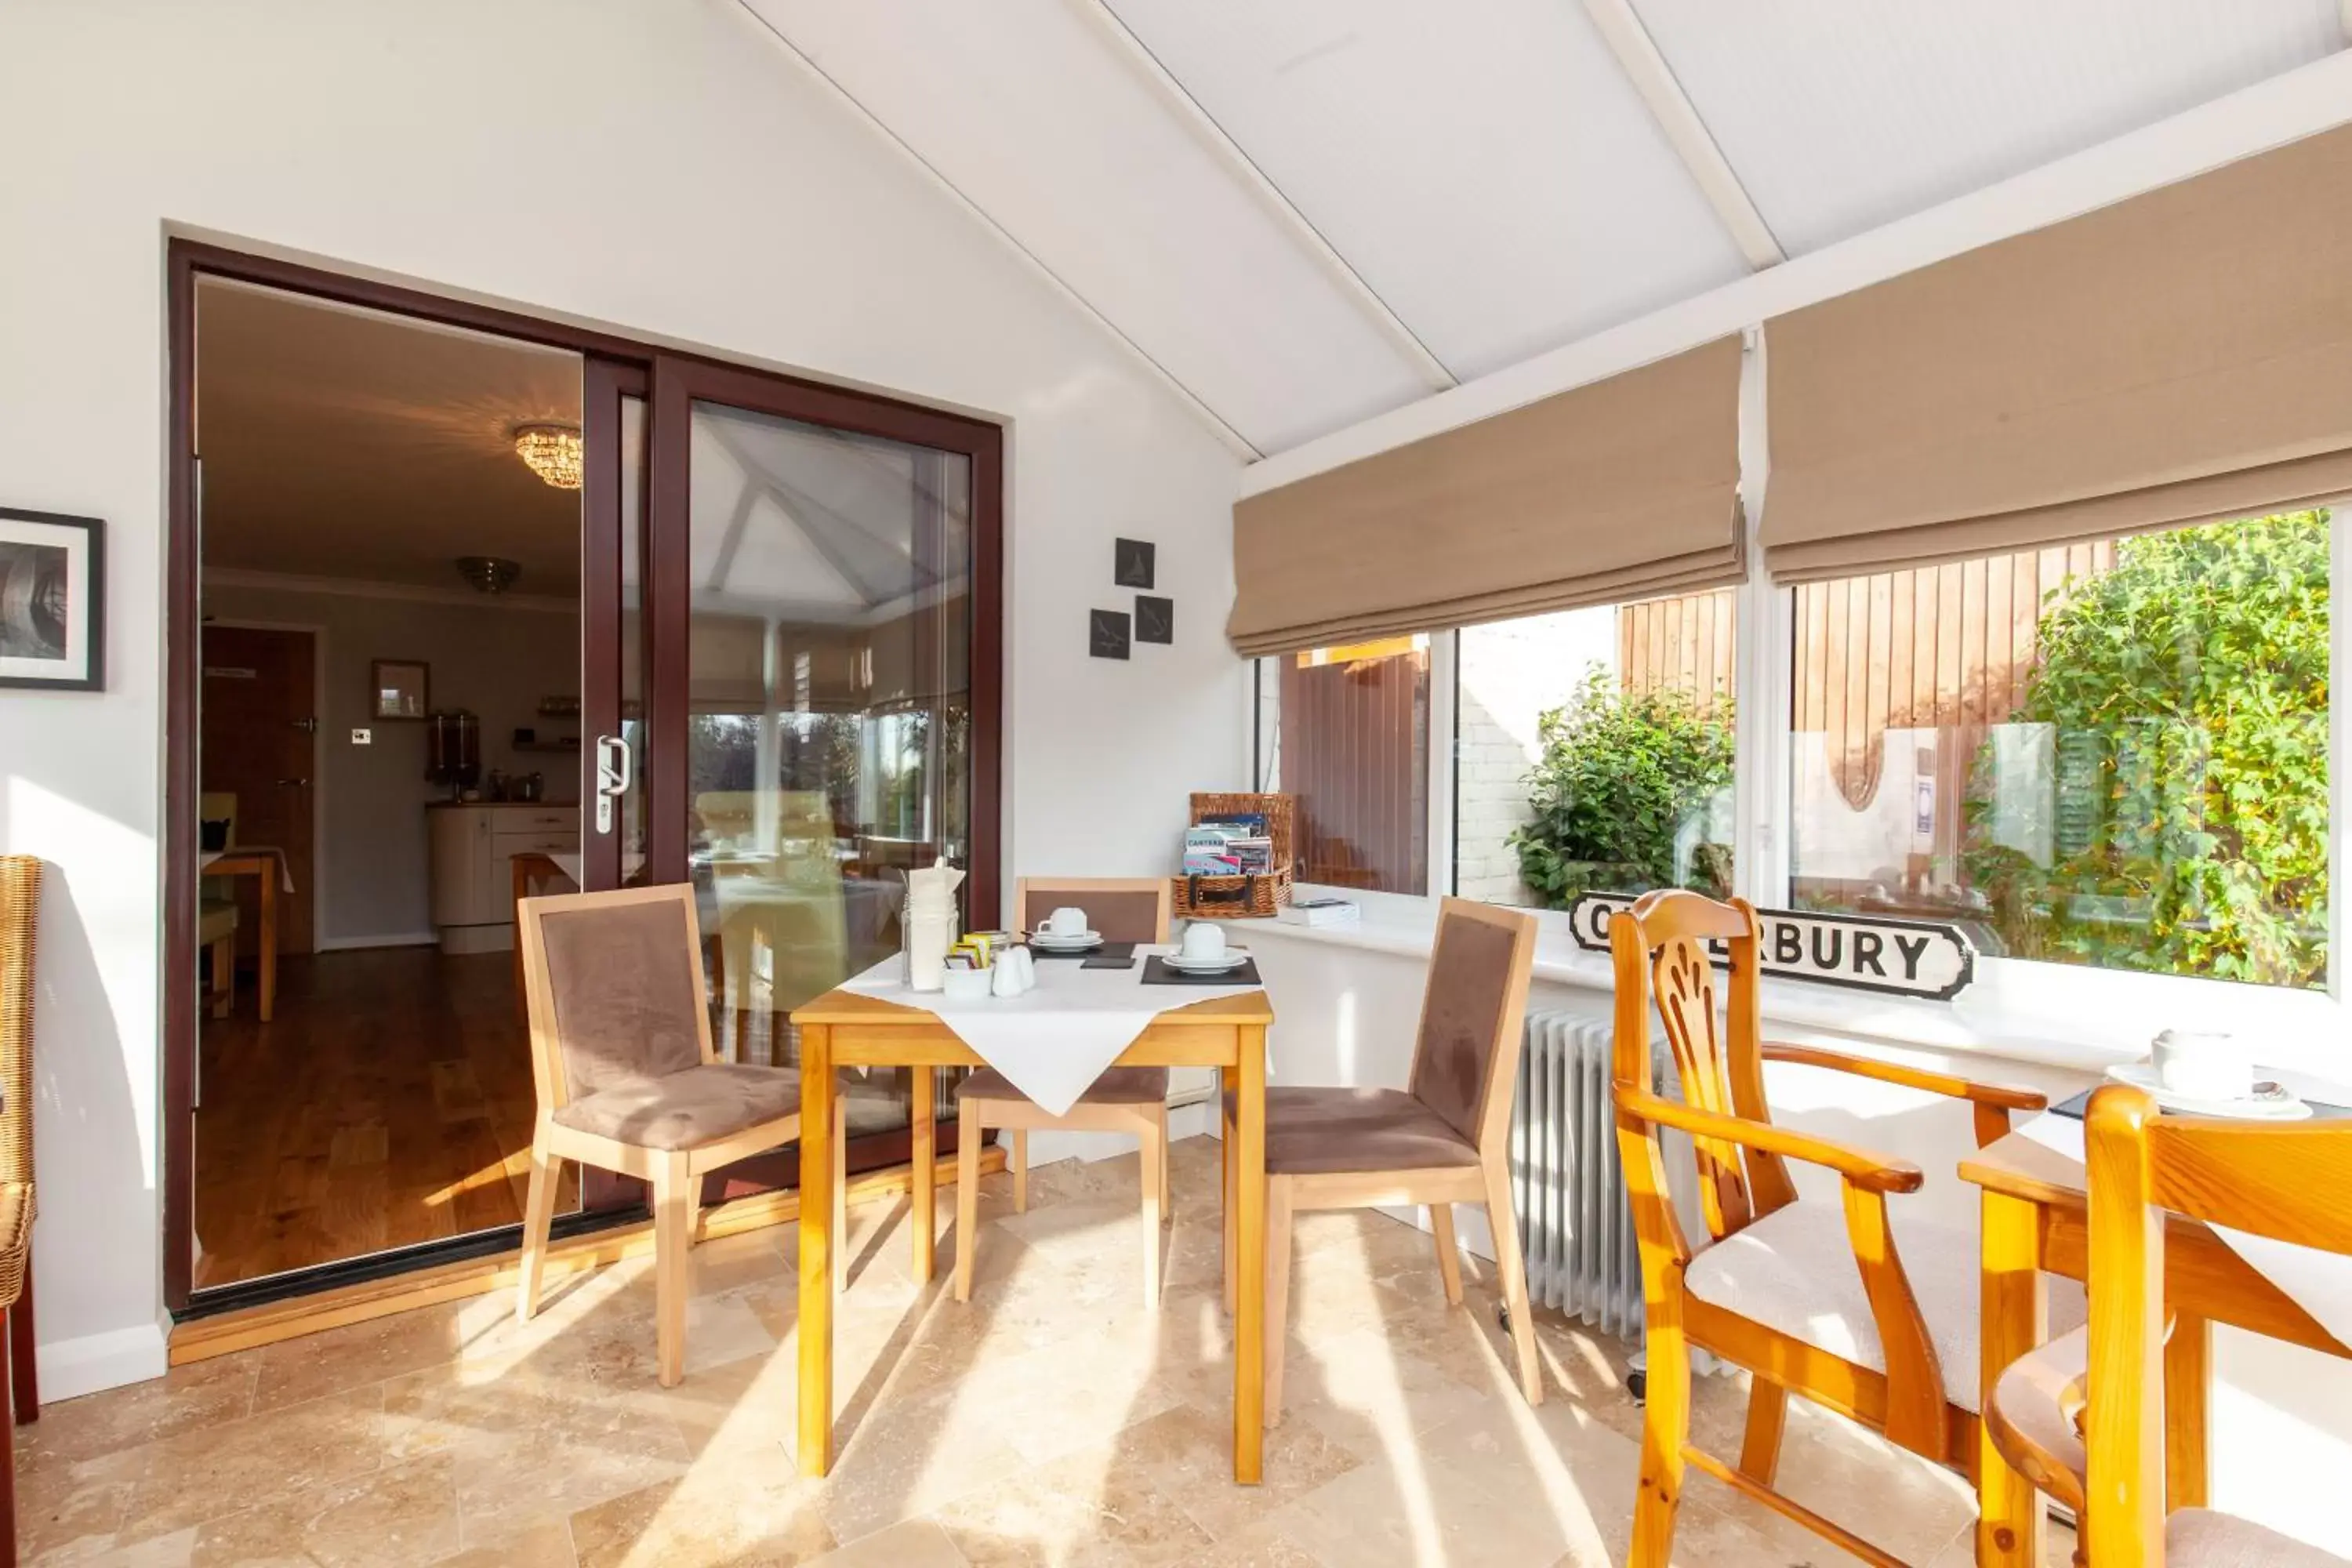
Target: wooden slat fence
[(1942, 648), (1354, 752), (1684, 643)]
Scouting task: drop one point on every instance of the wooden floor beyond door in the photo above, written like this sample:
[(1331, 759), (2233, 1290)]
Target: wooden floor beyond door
[(390, 1103)]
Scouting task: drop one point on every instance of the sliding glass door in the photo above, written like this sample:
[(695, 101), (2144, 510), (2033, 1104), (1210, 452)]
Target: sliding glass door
[(826, 742)]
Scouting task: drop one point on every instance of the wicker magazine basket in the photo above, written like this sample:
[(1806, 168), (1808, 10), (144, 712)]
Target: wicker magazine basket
[(1243, 898)]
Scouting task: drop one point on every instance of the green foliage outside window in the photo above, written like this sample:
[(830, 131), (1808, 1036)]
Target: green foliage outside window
[(2187, 690), (1623, 793)]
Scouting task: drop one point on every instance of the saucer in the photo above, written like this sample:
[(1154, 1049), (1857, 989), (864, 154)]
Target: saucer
[(1218, 966), (1064, 943), (2280, 1107)]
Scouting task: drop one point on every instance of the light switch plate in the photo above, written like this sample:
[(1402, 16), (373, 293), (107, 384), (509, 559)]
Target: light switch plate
[(363, 737)]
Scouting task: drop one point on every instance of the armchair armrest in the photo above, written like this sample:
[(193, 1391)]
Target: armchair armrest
[(1992, 1101), (1870, 1172)]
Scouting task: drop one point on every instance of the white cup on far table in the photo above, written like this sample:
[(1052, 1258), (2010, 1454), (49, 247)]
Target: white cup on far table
[(2204, 1066), (1203, 942), (1067, 920)]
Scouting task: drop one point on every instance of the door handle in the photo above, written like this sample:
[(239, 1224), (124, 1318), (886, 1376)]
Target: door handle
[(614, 767), (293, 783)]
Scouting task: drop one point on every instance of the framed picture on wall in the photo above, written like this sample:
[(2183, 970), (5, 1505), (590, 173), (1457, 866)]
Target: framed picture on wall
[(399, 689), (52, 601)]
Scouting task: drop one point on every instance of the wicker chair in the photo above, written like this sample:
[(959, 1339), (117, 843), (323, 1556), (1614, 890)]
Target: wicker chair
[(20, 904)]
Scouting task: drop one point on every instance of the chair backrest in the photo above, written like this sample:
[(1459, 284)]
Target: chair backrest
[(1664, 951), (1473, 1006), (20, 912), (218, 806), (2289, 1182), (615, 990), (1123, 908)]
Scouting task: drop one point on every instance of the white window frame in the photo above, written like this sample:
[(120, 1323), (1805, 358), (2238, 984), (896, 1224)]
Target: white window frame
[(2075, 1007)]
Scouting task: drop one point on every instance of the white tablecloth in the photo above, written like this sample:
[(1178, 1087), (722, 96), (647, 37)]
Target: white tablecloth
[(2318, 1282), (1053, 1042)]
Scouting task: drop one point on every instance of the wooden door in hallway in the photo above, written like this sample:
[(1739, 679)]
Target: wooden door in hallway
[(261, 695)]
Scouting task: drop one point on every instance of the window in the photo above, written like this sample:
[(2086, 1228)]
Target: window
[(1346, 730), (1593, 751), (2112, 754)]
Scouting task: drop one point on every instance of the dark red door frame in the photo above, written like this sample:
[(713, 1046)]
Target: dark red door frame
[(615, 366)]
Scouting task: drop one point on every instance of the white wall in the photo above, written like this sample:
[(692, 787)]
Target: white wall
[(647, 164), (1346, 1015)]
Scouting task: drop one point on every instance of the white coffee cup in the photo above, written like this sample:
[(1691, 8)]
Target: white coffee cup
[(1204, 941), (2204, 1066), (1067, 920)]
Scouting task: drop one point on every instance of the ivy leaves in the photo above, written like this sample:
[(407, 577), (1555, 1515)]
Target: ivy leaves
[(1623, 779), (2193, 681)]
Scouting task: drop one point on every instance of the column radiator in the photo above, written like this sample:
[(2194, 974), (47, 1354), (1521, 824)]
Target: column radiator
[(1567, 1182)]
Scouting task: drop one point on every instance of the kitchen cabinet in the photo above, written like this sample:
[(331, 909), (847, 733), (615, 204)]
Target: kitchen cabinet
[(472, 846)]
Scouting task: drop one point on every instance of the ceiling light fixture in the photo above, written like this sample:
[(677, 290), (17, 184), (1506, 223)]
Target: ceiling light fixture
[(490, 574), (551, 451)]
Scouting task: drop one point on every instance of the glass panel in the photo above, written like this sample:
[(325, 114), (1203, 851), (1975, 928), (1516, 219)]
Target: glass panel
[(829, 712), (2114, 753), (1349, 729), (1595, 751)]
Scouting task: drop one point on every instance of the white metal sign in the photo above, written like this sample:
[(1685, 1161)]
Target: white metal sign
[(1868, 953)]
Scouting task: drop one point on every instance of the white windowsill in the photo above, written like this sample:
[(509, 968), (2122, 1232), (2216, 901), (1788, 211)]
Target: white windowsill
[(2049, 1014)]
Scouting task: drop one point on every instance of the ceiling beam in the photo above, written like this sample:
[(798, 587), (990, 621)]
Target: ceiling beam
[(1637, 55), (1216, 422), (1254, 179)]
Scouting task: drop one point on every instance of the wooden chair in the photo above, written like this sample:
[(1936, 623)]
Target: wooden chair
[(627, 1079), (1811, 1300), (20, 905), (1440, 1141), (2287, 1182), (1124, 1100), (216, 906)]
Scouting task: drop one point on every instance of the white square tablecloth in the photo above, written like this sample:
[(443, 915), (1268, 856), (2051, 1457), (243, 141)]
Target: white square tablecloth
[(1050, 1043)]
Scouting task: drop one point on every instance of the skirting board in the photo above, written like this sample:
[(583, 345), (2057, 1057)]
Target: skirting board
[(392, 938), (95, 1362)]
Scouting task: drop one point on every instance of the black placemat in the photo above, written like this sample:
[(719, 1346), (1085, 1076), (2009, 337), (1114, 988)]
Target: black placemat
[(1101, 950), (1157, 973), (2080, 1105)]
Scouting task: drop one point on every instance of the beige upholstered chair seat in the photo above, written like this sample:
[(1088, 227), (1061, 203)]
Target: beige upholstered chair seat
[(1119, 1086), (688, 1109), (1313, 1131), (215, 918), (2200, 1538), (1793, 1271)]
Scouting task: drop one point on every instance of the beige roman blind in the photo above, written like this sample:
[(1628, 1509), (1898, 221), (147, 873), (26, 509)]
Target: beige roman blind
[(1622, 489), (2179, 357)]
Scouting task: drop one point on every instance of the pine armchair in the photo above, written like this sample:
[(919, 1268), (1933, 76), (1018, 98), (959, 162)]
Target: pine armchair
[(1812, 1299), (2084, 1415), (1124, 1100), (627, 1079)]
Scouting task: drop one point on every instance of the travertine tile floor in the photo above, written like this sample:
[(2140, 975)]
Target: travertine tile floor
[(1052, 1421)]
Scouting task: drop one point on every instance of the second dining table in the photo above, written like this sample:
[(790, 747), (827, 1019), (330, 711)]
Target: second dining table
[(848, 1028)]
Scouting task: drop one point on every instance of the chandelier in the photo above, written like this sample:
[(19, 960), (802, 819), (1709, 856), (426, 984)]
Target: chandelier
[(551, 451)]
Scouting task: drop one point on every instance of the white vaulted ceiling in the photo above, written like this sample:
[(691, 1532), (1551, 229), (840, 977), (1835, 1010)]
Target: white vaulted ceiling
[(1308, 212)]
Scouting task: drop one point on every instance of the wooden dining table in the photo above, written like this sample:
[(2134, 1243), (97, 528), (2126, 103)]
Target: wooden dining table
[(269, 872), (843, 1029), (2037, 1222)]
